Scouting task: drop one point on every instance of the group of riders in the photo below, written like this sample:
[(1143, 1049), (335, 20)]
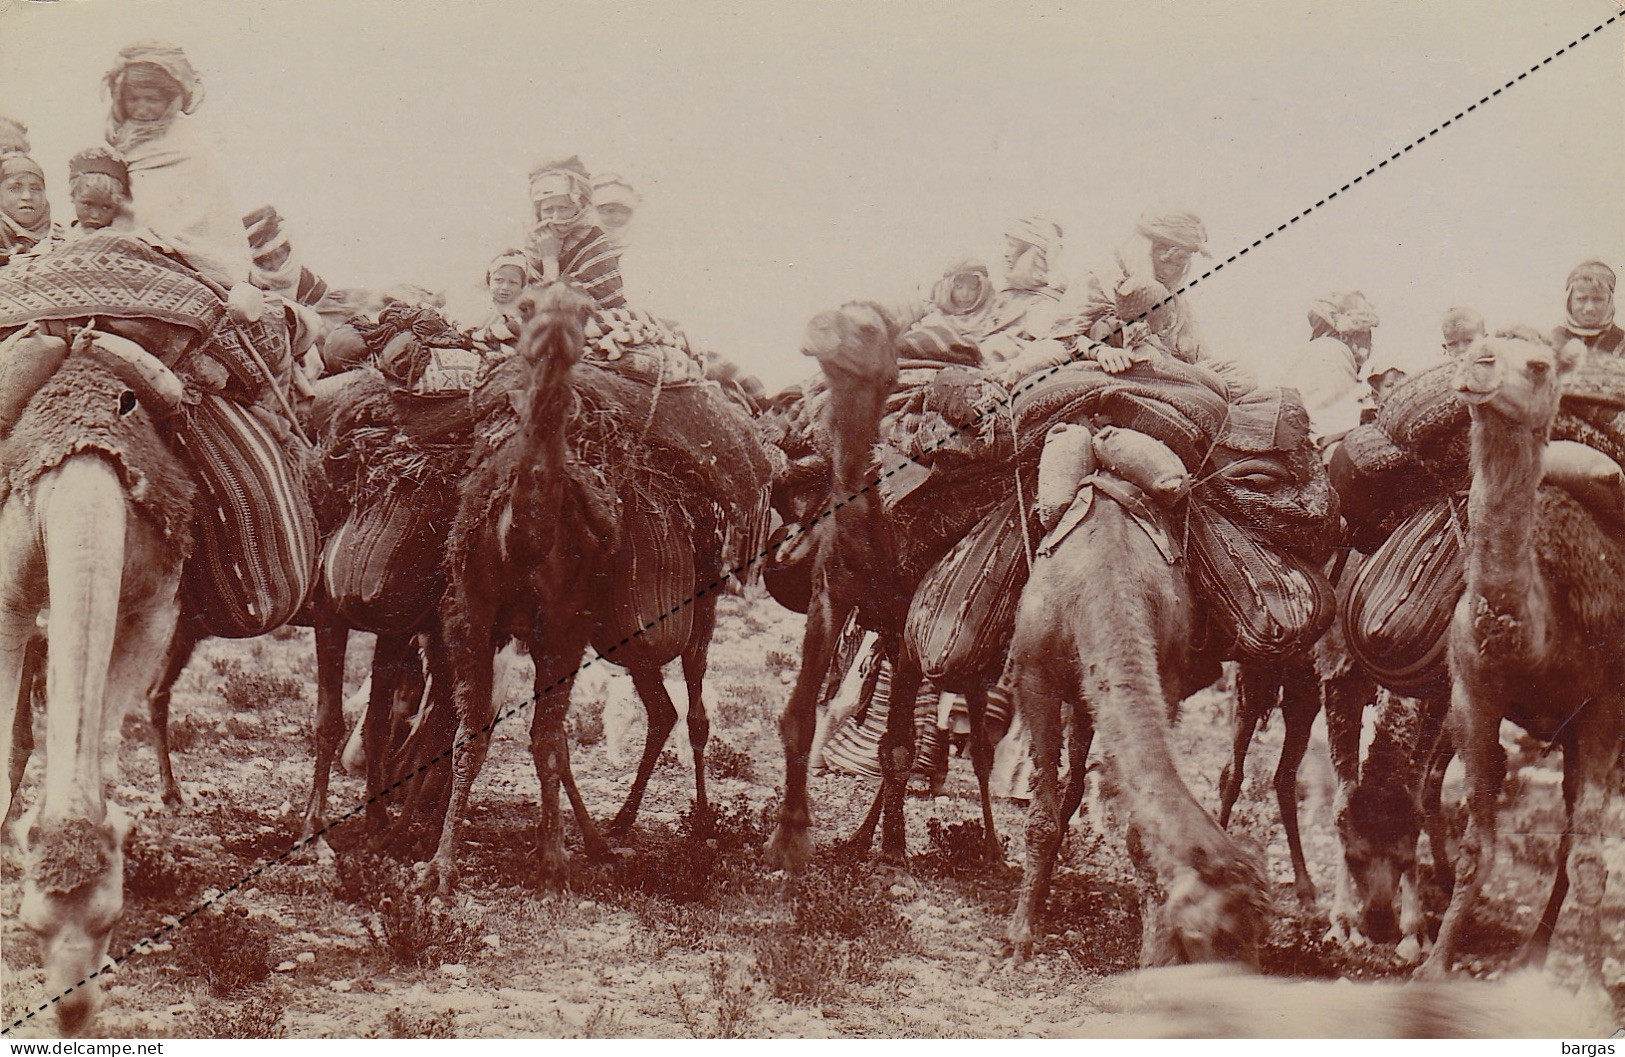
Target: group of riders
[(156, 182)]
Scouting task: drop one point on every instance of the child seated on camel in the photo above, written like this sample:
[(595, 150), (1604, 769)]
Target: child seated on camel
[(567, 244), (99, 186), (25, 212)]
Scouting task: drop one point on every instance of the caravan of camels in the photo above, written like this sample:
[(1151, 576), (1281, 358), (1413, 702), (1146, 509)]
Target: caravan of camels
[(1025, 519)]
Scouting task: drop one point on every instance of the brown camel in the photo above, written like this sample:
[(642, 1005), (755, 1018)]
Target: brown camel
[(1107, 624), (76, 539), (539, 571), (1538, 637)]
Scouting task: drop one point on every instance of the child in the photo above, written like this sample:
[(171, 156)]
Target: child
[(25, 212), (99, 186), (566, 243)]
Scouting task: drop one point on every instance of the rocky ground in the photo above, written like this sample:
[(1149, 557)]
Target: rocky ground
[(678, 937)]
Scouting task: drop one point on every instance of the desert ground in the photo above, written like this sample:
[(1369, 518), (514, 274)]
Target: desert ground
[(678, 936)]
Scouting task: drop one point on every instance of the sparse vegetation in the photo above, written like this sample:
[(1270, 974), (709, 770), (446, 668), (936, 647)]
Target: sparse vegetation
[(722, 760), (399, 1024), (405, 924), (257, 1017), (246, 689), (230, 951)]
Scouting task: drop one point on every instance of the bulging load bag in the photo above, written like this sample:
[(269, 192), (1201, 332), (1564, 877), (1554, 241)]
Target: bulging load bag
[(1272, 601), (964, 611), (651, 586), (381, 569), (1398, 611)]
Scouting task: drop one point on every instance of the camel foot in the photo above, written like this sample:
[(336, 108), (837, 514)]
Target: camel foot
[(596, 848), (174, 799), (1434, 968), (1410, 950), (1336, 934), (439, 878), (789, 849), (702, 822), (1305, 890)]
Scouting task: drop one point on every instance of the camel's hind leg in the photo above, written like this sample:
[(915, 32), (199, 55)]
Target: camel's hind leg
[(178, 655), (1300, 702), (897, 757), (1077, 773), (981, 755), (556, 668), (696, 657), (392, 654), (327, 730), (1593, 752), (662, 716), (1257, 689), (30, 676)]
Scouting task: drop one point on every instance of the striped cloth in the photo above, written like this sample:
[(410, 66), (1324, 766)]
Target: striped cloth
[(256, 533), (381, 569), (589, 259)]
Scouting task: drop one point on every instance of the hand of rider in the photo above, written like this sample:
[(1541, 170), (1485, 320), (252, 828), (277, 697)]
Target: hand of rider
[(1114, 361), (245, 303)]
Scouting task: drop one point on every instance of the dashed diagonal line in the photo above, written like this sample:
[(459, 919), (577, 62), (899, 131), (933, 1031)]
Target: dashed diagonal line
[(485, 731)]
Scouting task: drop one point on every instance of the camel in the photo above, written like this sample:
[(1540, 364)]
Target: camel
[(1108, 625), (77, 539), (1538, 637), (538, 572), (857, 570)]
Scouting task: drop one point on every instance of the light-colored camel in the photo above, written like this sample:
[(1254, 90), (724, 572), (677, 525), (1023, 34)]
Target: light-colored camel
[(1107, 625), (73, 541), (1538, 637)]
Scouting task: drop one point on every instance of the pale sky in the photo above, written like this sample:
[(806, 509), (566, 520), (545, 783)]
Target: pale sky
[(795, 155)]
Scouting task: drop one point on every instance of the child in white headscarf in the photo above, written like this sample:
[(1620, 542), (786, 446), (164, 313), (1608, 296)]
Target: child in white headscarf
[(25, 212)]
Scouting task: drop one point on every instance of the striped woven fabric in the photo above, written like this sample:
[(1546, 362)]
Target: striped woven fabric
[(256, 533), (855, 748), (1397, 614), (589, 258), (645, 616), (381, 568), (964, 610)]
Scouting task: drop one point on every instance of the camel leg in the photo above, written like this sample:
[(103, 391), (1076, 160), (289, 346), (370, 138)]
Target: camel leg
[(1344, 699), (981, 755), (1040, 709), (662, 716), (695, 658), (897, 759), (1257, 689), (791, 845), (392, 654), (30, 673), (470, 652), (1300, 702), (178, 655), (550, 749), (1077, 775), (1486, 772), (423, 763), (327, 731), (1594, 751), (593, 843)]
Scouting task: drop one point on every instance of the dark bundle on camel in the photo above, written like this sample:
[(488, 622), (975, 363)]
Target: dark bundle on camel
[(578, 476)]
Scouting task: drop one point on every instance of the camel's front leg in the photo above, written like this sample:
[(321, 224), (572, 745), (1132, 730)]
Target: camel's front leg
[(1257, 688), (470, 654), (1300, 701), (662, 717), (791, 846), (981, 755), (897, 758), (556, 668), (1485, 762), (180, 651), (1582, 940), (1039, 706), (1344, 699), (695, 657)]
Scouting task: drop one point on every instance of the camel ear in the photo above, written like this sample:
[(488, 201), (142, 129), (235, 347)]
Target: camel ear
[(1571, 357)]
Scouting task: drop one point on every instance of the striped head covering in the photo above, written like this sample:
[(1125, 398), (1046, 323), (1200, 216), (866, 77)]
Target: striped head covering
[(1177, 227), (1342, 314), (567, 178), (99, 162), (149, 63), (1041, 233), (509, 259)]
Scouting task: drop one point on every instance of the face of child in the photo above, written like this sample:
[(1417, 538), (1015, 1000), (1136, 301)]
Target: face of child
[(965, 288), (506, 283), (1588, 304), (146, 102), (614, 216), (22, 198), (556, 211), (94, 210), (1458, 338), (1169, 263)]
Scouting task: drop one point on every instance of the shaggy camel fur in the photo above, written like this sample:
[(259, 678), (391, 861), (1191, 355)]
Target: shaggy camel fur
[(856, 570), (1107, 624), (1538, 637), (535, 573), (74, 541)]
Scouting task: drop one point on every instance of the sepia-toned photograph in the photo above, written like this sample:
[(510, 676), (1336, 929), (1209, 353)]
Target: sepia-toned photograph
[(799, 519)]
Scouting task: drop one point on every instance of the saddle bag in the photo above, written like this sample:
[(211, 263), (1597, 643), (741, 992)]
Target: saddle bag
[(964, 611), (649, 615), (255, 563), (381, 568), (1272, 602), (1398, 611)]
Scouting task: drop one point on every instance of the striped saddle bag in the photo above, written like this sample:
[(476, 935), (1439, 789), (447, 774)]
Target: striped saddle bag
[(1398, 611)]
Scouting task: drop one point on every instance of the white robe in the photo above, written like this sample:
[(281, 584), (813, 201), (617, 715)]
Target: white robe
[(179, 191)]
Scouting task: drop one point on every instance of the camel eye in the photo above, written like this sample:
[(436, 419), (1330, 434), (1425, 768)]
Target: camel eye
[(1539, 367), (527, 307)]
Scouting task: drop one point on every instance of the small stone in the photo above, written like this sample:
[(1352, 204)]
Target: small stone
[(305, 957), (284, 967), (586, 904), (454, 969), (493, 941), (899, 892), (342, 986)]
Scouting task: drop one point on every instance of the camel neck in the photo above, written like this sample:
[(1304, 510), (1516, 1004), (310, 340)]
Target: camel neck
[(1501, 571)]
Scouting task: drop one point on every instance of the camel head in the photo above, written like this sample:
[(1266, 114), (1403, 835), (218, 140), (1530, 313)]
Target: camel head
[(1378, 828), (73, 894), (1214, 911), (552, 339), (1517, 375), (858, 342)]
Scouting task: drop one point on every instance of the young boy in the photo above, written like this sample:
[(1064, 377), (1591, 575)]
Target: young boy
[(99, 186), (25, 212)]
